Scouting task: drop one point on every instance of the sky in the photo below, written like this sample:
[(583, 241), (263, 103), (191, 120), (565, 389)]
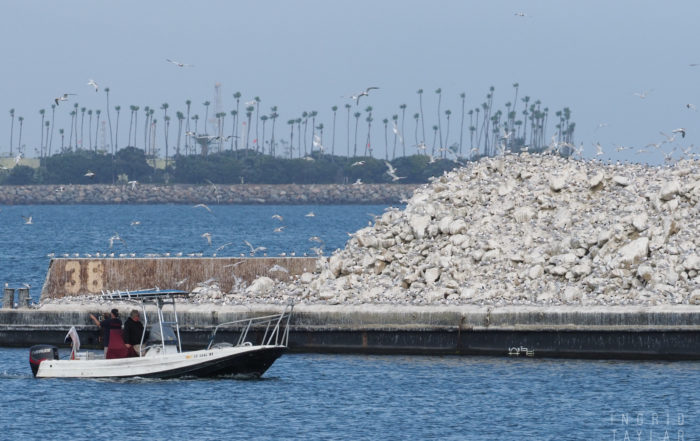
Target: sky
[(592, 56)]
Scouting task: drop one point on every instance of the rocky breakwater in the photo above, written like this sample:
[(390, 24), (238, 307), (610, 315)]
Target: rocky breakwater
[(209, 194), (522, 230)]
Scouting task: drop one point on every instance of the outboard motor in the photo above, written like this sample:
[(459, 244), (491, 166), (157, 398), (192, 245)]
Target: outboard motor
[(39, 353)]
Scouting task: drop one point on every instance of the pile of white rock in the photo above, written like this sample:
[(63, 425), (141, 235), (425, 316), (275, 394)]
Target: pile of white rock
[(522, 229)]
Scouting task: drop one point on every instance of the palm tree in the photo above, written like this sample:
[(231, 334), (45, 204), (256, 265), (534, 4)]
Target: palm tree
[(420, 105), (131, 122), (273, 116), (347, 107), (357, 121), (264, 120), (291, 137), (136, 123), (166, 126), (234, 115), (335, 111), (195, 118), (298, 121), (42, 112), (109, 119), (61, 132), (188, 103), (237, 96), (435, 132), (206, 116), (47, 124), (116, 135), (19, 144), (403, 121), (305, 115), (448, 113), (386, 138), (369, 119), (461, 126), (180, 119), (248, 115), (146, 111), (70, 138), (395, 119), (97, 128), (82, 127), (12, 128), (257, 118), (75, 106), (416, 116), (53, 112), (438, 91), (312, 115), (89, 112)]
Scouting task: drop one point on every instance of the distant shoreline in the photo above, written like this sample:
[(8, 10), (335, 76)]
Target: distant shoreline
[(283, 194)]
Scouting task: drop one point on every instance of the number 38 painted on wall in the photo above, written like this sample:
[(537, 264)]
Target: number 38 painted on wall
[(94, 272)]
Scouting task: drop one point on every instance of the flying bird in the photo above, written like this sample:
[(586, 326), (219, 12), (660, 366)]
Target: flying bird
[(27, 220), (315, 239), (392, 172), (203, 206), (643, 94), (680, 130), (355, 164), (359, 95), (207, 236), (63, 97), (254, 250), (178, 64), (520, 14), (309, 214), (279, 229), (115, 238), (278, 217), (90, 174), (92, 83), (278, 268)]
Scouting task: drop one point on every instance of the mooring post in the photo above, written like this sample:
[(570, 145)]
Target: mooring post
[(23, 298), (8, 297)]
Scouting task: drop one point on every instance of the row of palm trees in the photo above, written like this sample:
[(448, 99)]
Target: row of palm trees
[(490, 130)]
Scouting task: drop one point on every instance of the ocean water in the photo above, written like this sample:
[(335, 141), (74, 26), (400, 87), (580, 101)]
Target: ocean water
[(309, 396), (345, 397)]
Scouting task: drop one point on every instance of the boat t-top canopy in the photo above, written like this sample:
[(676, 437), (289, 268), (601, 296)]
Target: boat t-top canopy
[(144, 294)]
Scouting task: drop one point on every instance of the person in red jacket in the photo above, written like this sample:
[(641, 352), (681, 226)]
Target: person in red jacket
[(112, 335)]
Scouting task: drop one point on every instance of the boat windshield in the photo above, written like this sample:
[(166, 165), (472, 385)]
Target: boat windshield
[(155, 337)]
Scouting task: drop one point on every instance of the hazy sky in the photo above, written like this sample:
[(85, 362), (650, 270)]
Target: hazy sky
[(591, 56)]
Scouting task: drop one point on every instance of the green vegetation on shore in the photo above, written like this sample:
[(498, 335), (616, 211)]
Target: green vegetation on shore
[(243, 166)]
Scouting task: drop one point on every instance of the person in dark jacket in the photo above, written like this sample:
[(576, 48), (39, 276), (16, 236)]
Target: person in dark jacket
[(133, 331), (107, 325)]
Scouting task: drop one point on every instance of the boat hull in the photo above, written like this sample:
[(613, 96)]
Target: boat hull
[(240, 361)]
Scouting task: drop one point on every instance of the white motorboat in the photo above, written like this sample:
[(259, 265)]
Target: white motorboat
[(163, 356)]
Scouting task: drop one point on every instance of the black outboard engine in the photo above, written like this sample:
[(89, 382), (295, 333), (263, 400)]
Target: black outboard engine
[(39, 353)]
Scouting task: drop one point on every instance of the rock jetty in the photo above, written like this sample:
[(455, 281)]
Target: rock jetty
[(208, 194)]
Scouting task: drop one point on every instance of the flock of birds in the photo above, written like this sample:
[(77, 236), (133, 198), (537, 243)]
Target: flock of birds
[(116, 240)]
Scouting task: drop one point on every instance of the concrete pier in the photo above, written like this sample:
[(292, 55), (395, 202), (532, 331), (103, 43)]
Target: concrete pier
[(660, 332)]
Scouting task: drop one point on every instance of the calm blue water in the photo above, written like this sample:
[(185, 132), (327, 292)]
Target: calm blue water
[(325, 397), (319, 397)]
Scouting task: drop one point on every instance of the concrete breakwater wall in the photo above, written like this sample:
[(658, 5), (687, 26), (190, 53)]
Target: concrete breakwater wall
[(208, 194), (659, 332), (72, 277)]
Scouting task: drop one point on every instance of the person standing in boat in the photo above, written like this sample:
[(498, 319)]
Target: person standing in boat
[(133, 331), (107, 325)]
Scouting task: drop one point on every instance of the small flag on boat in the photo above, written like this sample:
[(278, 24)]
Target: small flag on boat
[(75, 341)]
